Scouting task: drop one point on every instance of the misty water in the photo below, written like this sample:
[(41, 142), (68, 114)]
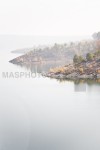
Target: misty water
[(38, 113)]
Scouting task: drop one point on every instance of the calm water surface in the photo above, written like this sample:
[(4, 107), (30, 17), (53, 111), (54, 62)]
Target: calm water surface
[(43, 114)]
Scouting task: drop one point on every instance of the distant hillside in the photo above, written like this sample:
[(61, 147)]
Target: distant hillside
[(57, 52), (22, 51)]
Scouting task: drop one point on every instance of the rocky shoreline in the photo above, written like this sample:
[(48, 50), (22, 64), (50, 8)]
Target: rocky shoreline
[(85, 70), (72, 76)]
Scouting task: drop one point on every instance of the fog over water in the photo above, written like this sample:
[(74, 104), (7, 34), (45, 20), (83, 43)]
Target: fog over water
[(13, 42), (43, 114)]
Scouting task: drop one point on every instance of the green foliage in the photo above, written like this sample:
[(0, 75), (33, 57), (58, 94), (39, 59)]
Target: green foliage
[(78, 59), (75, 59), (81, 59), (97, 53), (90, 56)]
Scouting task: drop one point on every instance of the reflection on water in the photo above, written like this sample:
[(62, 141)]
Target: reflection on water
[(41, 67), (46, 114), (79, 84), (80, 87)]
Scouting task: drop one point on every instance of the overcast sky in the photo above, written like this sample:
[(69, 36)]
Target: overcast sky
[(49, 17)]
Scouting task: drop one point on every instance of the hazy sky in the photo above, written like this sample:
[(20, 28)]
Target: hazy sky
[(49, 17)]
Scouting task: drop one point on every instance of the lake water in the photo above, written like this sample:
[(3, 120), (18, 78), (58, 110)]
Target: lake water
[(38, 113)]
